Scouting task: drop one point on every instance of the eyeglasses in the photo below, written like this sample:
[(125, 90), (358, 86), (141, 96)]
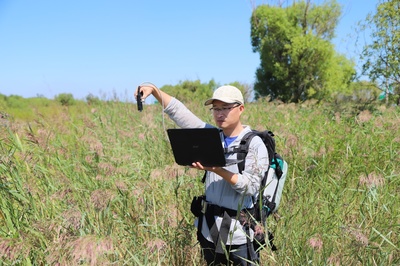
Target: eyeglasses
[(223, 110)]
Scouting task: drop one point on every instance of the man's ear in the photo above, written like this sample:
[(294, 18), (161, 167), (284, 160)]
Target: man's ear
[(241, 109)]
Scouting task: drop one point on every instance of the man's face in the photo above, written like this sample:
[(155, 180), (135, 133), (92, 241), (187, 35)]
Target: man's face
[(226, 115)]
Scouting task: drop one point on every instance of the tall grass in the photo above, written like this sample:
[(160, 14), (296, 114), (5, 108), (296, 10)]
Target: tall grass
[(97, 185)]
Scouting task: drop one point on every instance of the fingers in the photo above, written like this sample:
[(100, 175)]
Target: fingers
[(145, 90), (197, 165)]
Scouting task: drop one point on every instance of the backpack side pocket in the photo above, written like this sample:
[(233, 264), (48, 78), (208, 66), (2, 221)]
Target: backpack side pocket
[(197, 205)]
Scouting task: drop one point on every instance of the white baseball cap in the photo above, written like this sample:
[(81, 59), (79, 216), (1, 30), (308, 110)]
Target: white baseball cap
[(226, 94)]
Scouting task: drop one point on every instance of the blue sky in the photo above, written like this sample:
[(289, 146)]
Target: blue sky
[(108, 48)]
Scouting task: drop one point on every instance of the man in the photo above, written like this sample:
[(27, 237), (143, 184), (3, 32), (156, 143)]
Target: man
[(225, 237)]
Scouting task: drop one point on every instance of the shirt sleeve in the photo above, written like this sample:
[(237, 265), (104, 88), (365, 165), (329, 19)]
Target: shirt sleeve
[(182, 116)]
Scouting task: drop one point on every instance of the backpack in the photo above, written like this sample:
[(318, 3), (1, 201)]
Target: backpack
[(272, 183)]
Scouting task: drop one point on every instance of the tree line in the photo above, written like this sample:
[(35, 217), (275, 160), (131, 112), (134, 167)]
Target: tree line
[(298, 60)]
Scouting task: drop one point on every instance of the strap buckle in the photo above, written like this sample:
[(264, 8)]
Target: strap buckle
[(204, 205)]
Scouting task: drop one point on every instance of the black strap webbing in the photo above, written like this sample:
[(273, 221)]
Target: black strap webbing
[(243, 150), (219, 237)]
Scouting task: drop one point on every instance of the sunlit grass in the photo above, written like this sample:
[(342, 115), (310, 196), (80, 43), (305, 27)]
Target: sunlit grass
[(97, 185)]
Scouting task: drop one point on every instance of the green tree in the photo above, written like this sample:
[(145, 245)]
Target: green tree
[(189, 91), (66, 99), (364, 91), (382, 56), (92, 100), (298, 61)]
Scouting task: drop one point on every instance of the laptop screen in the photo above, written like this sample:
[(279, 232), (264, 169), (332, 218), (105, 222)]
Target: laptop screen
[(197, 145)]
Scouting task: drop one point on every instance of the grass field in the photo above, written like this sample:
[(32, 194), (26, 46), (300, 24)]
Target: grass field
[(97, 185)]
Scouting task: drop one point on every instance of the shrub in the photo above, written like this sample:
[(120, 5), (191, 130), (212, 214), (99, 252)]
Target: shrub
[(66, 99)]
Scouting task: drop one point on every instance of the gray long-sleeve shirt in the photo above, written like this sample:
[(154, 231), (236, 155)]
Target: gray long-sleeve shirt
[(217, 190)]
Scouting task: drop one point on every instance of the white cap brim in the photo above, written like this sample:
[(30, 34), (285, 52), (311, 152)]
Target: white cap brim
[(222, 99)]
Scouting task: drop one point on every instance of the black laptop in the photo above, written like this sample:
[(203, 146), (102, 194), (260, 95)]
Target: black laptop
[(198, 145)]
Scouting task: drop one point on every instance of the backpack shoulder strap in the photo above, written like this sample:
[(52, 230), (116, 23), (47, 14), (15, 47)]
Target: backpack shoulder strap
[(243, 149)]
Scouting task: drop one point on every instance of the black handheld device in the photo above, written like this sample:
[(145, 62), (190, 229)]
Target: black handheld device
[(139, 100)]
